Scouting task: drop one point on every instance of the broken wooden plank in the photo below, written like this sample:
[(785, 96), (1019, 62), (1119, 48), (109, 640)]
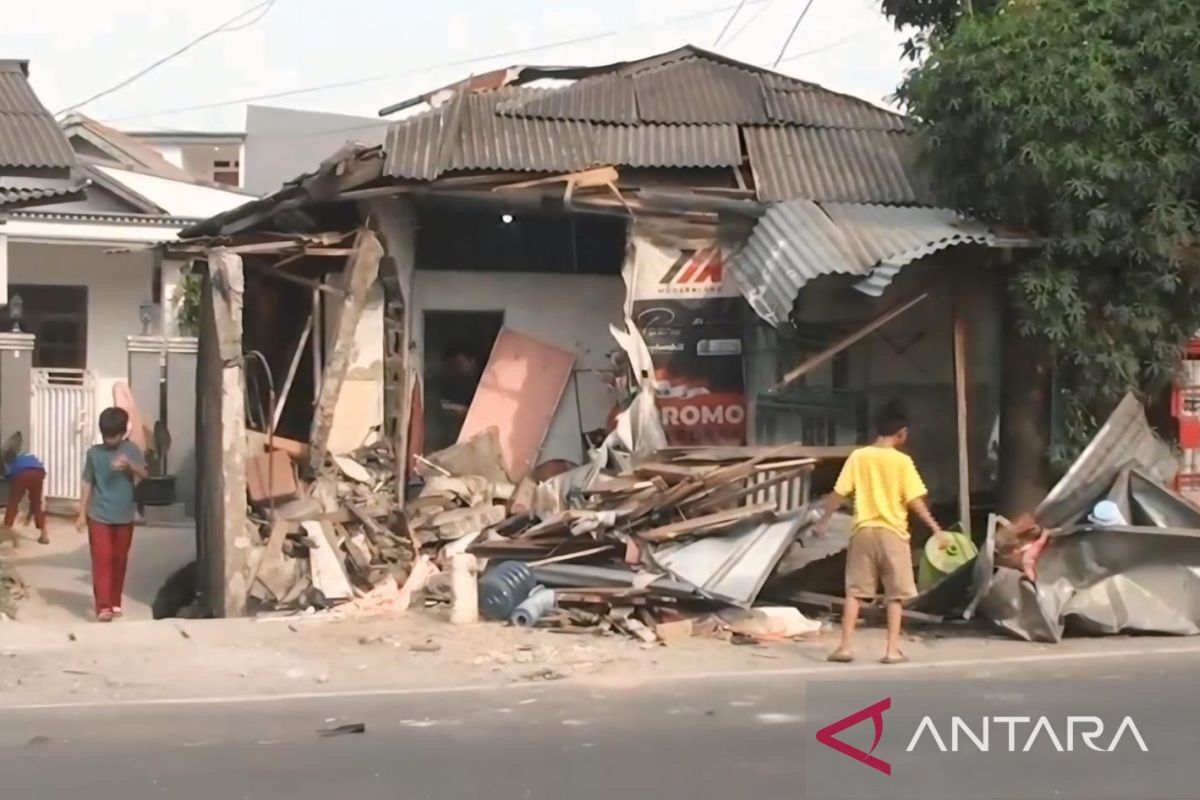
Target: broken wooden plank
[(670, 473), (572, 556), (362, 269), (270, 570), (812, 362), (960, 407), (709, 523), (293, 367), (327, 572), (522, 499), (727, 498), (479, 455), (270, 477)]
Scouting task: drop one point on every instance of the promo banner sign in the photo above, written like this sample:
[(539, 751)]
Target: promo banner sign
[(686, 306)]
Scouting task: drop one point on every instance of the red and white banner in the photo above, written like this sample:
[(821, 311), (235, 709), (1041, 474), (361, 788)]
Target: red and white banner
[(686, 306)]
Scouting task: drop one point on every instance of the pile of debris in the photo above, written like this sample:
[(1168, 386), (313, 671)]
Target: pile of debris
[(661, 541)]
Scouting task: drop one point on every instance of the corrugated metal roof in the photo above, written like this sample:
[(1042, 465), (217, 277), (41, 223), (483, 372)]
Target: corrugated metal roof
[(809, 105), (605, 98), (487, 140), (833, 165), (679, 109), (29, 136), (412, 146), (669, 145), (700, 92), (799, 240)]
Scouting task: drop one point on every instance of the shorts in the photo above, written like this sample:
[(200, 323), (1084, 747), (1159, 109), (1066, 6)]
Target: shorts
[(878, 555)]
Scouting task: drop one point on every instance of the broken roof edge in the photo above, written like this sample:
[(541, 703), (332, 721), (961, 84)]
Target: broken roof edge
[(304, 188), (521, 74)]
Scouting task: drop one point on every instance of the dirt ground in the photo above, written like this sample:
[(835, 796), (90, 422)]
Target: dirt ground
[(54, 654)]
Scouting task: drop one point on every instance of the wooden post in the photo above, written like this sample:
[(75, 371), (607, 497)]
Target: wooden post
[(960, 398), (362, 269), (227, 283)]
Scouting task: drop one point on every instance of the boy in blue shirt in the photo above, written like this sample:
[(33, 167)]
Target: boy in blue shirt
[(111, 470)]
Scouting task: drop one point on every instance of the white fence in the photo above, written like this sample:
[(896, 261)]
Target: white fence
[(64, 417)]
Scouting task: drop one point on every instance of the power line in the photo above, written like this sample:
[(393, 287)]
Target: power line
[(836, 43), (433, 67), (792, 33), (748, 22), (729, 22), (224, 27)]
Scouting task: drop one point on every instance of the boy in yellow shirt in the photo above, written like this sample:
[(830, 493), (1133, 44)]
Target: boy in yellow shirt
[(885, 486)]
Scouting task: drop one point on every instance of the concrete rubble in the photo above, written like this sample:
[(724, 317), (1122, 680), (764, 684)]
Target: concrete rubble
[(657, 550)]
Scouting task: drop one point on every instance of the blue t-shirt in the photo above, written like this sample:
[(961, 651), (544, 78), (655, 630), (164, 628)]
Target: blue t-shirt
[(22, 462), (112, 489)]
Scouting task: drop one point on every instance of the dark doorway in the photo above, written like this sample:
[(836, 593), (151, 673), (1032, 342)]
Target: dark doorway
[(457, 346), (57, 317)]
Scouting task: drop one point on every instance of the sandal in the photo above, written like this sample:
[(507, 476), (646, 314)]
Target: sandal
[(899, 659), (840, 657)]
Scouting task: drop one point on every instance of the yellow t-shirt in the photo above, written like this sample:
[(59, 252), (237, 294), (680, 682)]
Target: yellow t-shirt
[(882, 481)]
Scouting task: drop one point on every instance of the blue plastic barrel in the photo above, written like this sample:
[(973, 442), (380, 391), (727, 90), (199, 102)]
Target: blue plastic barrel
[(502, 588)]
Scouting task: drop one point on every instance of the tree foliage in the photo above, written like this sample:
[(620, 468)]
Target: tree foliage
[(1076, 121)]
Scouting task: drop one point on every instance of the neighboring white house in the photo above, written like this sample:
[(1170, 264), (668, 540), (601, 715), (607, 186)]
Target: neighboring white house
[(82, 280), (204, 155)]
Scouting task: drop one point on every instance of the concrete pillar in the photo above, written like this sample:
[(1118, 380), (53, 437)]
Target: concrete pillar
[(16, 386), (181, 417), (3, 267)]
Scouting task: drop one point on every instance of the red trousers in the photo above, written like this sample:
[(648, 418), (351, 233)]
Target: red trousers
[(110, 555), (31, 482)]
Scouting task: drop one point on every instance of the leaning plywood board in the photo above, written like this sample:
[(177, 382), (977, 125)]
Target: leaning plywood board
[(519, 392), (328, 574)]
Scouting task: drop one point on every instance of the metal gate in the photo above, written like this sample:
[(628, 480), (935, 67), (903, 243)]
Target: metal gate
[(64, 416)]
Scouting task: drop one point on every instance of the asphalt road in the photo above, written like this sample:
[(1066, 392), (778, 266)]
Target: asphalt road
[(726, 738)]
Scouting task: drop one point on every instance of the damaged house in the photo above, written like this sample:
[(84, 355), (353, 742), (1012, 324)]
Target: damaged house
[(754, 256)]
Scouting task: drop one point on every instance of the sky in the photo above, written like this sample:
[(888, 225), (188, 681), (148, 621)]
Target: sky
[(389, 50)]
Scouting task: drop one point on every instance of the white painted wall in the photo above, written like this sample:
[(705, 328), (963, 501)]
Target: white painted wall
[(571, 311), (117, 284), (171, 152)]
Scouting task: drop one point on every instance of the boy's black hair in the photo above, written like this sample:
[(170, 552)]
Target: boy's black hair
[(892, 419), (114, 422)]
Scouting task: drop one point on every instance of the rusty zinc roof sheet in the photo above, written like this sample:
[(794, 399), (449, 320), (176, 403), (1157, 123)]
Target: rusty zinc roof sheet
[(686, 108), (799, 240), (833, 164), (669, 145), (29, 136)]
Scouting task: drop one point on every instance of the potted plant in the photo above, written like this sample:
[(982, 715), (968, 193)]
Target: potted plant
[(159, 488)]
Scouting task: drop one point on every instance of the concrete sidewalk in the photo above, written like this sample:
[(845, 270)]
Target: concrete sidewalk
[(59, 575)]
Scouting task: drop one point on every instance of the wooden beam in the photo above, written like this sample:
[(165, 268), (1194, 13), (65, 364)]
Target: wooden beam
[(361, 271), (316, 340), (291, 373), (811, 363), (308, 283), (960, 404)]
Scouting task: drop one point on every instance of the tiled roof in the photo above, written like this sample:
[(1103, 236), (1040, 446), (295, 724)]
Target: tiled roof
[(687, 108), (31, 196), (29, 136)]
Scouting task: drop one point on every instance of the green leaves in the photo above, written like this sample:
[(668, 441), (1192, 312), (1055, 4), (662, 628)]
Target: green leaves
[(1076, 121)]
